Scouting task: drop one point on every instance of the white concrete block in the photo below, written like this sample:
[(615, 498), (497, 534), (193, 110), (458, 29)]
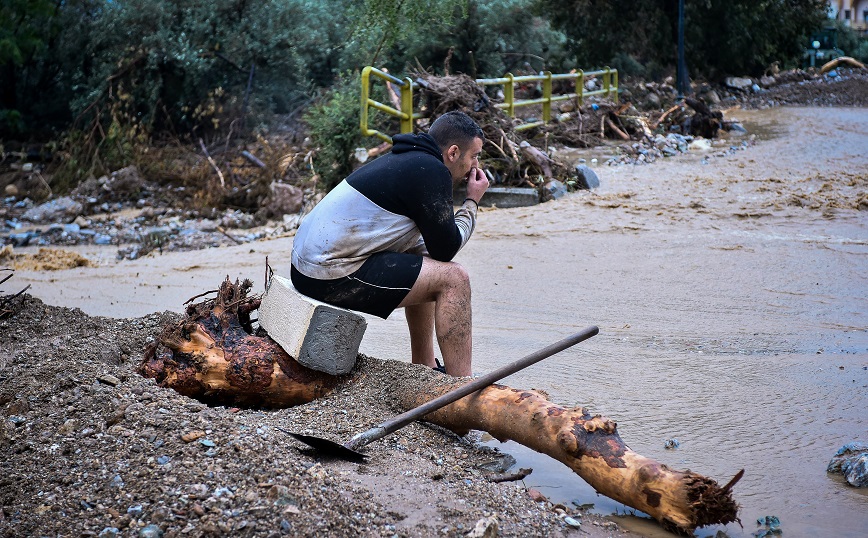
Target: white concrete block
[(320, 336)]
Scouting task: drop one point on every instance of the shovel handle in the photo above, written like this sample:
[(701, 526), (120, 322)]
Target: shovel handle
[(398, 422)]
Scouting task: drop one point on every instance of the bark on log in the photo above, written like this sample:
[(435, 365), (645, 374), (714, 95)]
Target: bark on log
[(537, 157), (589, 445), (213, 356)]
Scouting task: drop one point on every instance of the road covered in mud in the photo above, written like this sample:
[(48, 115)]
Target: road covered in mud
[(729, 292), (728, 285)]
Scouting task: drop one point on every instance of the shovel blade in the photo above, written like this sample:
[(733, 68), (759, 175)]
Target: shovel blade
[(325, 447)]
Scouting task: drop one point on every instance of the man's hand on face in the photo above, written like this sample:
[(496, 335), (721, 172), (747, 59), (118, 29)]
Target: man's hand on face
[(477, 184)]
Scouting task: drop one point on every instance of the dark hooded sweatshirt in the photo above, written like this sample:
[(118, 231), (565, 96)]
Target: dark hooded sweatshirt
[(401, 202)]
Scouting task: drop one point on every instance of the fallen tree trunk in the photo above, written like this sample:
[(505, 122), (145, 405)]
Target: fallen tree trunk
[(213, 356), (852, 62), (589, 445)]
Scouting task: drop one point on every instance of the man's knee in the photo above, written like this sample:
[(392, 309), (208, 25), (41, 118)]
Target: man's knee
[(457, 276), (443, 277)]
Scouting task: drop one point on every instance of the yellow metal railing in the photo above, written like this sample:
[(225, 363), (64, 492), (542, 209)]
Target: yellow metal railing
[(406, 114), (509, 104)]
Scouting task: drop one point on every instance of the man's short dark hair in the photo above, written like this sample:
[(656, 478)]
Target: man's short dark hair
[(455, 127)]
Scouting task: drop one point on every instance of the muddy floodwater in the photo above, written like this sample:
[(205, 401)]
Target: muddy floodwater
[(731, 292)]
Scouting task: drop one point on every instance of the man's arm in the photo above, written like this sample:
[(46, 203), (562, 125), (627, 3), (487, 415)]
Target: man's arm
[(465, 217)]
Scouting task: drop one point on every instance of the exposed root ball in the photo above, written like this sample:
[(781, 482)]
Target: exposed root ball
[(212, 356)]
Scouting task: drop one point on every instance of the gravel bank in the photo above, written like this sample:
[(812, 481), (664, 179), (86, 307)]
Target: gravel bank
[(90, 448)]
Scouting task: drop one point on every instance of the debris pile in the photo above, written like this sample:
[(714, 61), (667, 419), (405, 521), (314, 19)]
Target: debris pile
[(176, 204), (525, 158), (215, 195), (147, 461)]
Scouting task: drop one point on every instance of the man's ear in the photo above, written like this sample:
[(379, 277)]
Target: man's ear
[(453, 152)]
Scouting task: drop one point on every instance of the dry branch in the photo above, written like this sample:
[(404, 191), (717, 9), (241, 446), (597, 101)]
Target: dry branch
[(253, 158), (10, 304), (664, 115), (615, 129), (213, 164)]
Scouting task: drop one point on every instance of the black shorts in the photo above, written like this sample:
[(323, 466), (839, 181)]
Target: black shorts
[(376, 288)]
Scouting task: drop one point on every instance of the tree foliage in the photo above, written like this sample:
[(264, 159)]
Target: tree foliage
[(722, 37), (192, 68), (28, 28), (488, 39)]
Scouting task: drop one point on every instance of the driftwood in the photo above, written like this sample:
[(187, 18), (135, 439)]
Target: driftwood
[(663, 117), (589, 445), (617, 130), (540, 159), (846, 60), (521, 474), (213, 356)]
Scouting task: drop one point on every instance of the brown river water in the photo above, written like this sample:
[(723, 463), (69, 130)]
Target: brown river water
[(731, 292)]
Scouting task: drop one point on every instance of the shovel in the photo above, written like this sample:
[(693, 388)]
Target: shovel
[(349, 450)]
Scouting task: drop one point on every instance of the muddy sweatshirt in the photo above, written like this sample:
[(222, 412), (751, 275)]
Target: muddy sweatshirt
[(400, 202)]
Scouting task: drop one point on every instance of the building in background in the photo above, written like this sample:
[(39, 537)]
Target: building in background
[(853, 13)]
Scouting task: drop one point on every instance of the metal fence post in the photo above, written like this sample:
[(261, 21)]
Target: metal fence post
[(509, 95), (366, 92), (615, 86), (580, 87), (407, 106), (607, 81), (547, 95)]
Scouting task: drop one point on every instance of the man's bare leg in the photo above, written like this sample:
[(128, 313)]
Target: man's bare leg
[(420, 320), (447, 284)]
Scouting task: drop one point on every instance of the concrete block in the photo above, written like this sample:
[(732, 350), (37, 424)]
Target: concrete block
[(503, 197), (320, 336)]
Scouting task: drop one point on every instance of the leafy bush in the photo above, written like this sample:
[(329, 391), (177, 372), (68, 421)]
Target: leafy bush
[(861, 51), (628, 66), (334, 130), (486, 38), (722, 37), (851, 42)]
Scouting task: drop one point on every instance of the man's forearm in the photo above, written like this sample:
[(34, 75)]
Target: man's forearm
[(465, 219)]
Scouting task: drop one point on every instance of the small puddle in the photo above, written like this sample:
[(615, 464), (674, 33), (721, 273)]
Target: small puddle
[(761, 123)]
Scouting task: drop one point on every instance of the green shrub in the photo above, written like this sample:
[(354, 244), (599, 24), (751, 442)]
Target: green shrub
[(486, 38), (11, 122), (627, 65), (722, 37), (861, 51), (334, 129)]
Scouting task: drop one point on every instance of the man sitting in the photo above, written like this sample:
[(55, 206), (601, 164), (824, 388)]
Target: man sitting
[(384, 239)]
